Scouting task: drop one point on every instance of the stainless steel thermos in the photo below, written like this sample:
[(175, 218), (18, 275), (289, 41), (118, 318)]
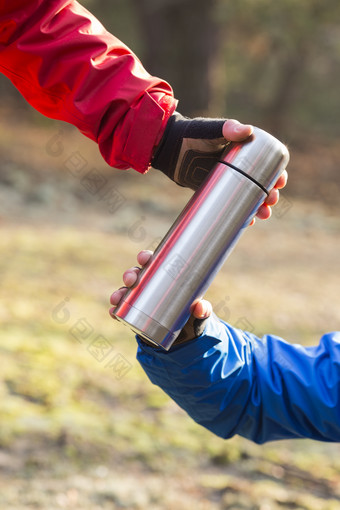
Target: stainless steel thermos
[(194, 249)]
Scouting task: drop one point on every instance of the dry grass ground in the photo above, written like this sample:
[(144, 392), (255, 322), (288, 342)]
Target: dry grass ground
[(80, 431)]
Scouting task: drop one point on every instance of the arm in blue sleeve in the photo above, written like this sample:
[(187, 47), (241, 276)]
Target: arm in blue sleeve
[(232, 382)]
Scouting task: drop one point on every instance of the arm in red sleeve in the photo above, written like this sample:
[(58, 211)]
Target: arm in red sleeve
[(70, 68)]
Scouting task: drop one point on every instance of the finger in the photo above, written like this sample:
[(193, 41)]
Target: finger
[(130, 276), (144, 256), (282, 180), (234, 131), (273, 197), (118, 295), (111, 312), (264, 212), (202, 309)]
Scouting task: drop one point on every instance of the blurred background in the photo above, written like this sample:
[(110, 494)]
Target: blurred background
[(81, 427)]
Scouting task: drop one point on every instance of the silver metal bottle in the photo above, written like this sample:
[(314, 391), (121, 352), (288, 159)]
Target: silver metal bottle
[(198, 243)]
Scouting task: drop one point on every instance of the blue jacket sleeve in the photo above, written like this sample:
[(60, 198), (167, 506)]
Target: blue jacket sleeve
[(232, 382)]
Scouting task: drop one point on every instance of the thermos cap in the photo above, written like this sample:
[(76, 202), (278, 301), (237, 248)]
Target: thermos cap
[(258, 160)]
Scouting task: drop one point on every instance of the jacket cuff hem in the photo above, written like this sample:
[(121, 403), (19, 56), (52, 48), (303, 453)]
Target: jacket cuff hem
[(148, 123)]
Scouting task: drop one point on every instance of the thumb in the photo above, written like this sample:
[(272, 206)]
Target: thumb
[(234, 131)]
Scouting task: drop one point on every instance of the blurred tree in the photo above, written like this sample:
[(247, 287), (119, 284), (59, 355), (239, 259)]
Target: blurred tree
[(280, 58), (181, 43)]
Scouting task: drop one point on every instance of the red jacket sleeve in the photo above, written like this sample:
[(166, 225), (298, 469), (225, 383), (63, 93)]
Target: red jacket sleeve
[(69, 67)]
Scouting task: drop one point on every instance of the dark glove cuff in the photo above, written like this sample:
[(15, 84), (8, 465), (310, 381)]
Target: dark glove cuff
[(189, 149), (193, 329)]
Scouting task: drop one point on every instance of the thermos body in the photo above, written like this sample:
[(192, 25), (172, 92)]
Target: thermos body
[(198, 243)]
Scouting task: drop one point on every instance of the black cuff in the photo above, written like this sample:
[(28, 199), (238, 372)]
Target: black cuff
[(189, 149), (193, 329)]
